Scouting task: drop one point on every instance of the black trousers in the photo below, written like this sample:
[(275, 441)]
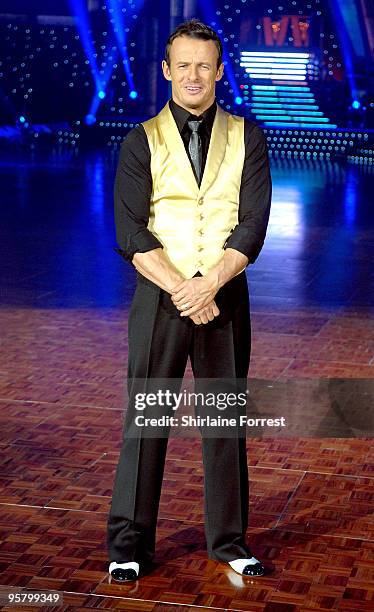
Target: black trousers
[(160, 342)]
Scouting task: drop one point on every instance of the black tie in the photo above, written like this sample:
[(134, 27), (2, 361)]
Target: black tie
[(194, 147)]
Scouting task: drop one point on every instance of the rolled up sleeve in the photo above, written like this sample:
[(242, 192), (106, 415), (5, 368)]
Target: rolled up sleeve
[(255, 196), (132, 195)]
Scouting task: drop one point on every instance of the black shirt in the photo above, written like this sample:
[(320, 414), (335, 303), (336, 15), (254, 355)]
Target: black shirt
[(133, 187)]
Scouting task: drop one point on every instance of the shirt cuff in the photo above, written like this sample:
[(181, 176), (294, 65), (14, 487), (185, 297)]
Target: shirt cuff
[(141, 242), (242, 239)]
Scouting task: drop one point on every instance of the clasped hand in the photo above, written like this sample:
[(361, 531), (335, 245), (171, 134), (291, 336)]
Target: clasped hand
[(194, 297)]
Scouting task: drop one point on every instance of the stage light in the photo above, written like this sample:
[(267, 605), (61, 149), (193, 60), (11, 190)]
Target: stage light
[(133, 94), (101, 94), (238, 100), (81, 14), (356, 104), (90, 119), (22, 119), (120, 30)]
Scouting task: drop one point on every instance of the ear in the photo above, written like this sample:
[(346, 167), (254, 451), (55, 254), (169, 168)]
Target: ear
[(166, 70), (220, 70)]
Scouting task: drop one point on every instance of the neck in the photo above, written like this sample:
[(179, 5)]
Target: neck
[(194, 111)]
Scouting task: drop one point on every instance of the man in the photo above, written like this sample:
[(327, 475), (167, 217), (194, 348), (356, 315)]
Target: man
[(192, 203)]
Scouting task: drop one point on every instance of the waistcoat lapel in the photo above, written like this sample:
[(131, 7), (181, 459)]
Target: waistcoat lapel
[(217, 149), (175, 146)]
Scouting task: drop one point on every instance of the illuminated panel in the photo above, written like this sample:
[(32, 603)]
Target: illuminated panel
[(295, 109), (298, 94), (284, 76), (275, 55), (289, 118), (308, 125), (292, 101), (269, 65), (301, 88), (274, 60), (274, 64), (280, 101)]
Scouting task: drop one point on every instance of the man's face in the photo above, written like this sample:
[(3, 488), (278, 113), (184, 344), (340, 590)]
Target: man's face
[(193, 73)]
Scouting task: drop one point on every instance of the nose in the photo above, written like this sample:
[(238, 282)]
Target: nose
[(193, 72)]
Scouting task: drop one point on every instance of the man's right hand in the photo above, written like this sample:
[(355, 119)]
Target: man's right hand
[(206, 314), (155, 266)]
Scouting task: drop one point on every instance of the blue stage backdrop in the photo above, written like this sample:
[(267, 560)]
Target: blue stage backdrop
[(294, 64)]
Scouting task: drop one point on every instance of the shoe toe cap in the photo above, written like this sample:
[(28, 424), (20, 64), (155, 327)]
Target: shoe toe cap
[(255, 569), (123, 575)]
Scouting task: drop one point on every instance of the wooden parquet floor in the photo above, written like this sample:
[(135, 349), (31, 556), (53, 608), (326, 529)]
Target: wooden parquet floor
[(311, 500), (63, 359)]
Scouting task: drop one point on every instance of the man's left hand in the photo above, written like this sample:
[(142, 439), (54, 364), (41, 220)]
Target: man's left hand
[(193, 294)]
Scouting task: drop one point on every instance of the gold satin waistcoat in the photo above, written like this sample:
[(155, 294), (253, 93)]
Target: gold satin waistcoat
[(193, 223)]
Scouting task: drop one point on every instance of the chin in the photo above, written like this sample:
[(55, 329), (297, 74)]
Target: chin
[(193, 101)]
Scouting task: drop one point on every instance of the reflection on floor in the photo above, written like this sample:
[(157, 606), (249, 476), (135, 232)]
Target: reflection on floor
[(65, 296)]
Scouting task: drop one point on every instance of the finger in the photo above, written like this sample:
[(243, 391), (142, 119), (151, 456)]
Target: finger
[(177, 297), (184, 307), (180, 295), (178, 287), (201, 318), (190, 311), (216, 310), (184, 304), (196, 319), (197, 305), (210, 314)]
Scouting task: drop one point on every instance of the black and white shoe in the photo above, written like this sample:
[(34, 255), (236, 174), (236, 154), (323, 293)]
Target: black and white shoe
[(124, 572), (248, 567)]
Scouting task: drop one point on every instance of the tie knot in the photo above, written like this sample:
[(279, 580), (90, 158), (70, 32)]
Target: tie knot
[(194, 125)]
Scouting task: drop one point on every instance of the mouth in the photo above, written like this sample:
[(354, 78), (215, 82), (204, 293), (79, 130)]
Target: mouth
[(193, 89)]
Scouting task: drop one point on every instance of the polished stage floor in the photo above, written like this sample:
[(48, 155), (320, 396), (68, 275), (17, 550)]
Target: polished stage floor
[(65, 298)]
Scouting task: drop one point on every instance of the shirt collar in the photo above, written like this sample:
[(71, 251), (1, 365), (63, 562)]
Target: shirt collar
[(181, 115)]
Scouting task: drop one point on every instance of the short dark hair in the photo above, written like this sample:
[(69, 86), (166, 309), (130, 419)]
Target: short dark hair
[(194, 29)]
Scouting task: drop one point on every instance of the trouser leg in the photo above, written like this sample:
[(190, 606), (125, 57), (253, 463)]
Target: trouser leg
[(158, 349), (221, 349)]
